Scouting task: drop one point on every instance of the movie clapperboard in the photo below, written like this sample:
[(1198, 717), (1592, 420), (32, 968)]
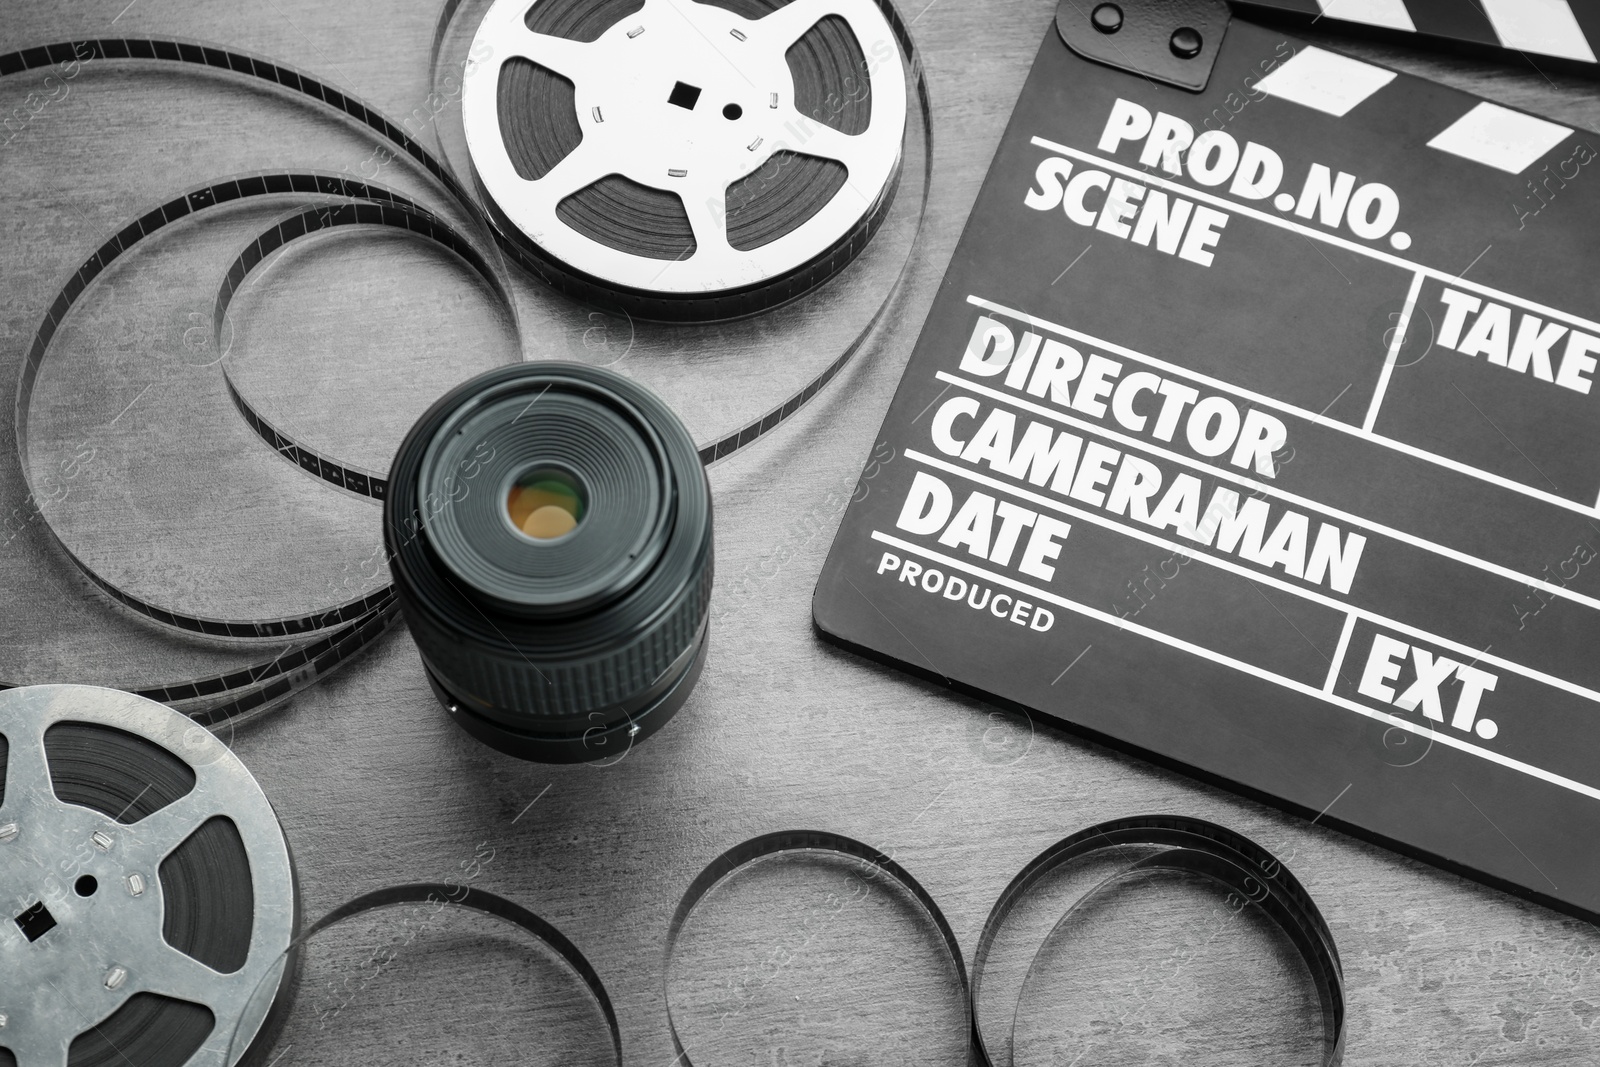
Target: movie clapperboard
[(1256, 429)]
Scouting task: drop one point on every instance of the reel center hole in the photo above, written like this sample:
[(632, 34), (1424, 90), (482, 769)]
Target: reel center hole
[(684, 95), (36, 921), (545, 503), (86, 885), (732, 111)]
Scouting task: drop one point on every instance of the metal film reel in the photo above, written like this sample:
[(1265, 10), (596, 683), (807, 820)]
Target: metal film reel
[(148, 888), (707, 159)]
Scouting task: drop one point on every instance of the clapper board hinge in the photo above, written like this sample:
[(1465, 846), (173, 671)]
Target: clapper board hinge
[(1174, 42)]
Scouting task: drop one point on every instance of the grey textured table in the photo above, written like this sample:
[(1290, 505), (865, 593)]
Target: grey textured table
[(351, 339)]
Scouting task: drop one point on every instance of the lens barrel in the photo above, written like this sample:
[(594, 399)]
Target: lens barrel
[(548, 526)]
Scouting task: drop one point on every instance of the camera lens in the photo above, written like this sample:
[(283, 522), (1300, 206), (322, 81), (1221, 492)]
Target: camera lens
[(549, 530)]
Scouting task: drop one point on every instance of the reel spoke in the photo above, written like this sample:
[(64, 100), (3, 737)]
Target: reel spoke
[(825, 141), (173, 974), (40, 1053), (573, 60), (27, 773), (704, 204), (582, 167), (789, 23), (153, 837)]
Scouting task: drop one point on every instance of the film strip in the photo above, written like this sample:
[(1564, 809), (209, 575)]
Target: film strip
[(1249, 873), (145, 851), (435, 897), (395, 212), (326, 638), (320, 640)]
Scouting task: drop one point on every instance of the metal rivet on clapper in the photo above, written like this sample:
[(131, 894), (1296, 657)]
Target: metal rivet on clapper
[(8, 831), (1185, 43), (102, 840), (1107, 18), (116, 976), (136, 884)]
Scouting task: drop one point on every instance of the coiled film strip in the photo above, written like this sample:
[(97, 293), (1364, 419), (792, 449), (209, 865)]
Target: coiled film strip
[(323, 639), (1155, 843), (395, 212), (439, 896), (329, 636)]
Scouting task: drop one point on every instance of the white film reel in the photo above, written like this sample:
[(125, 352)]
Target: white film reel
[(690, 99)]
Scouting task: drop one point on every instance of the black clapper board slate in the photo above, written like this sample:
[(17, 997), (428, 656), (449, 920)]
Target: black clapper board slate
[(1288, 481)]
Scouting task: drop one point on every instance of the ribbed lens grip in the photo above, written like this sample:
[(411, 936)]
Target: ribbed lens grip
[(540, 689)]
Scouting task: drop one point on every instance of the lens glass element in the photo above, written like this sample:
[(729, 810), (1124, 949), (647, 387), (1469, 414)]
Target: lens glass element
[(512, 475), (545, 503)]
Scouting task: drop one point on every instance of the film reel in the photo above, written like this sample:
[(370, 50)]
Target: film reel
[(695, 161), (153, 893)]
